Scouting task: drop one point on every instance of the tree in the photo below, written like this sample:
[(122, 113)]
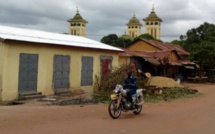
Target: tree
[(110, 39), (146, 36), (205, 32), (200, 43), (175, 42), (114, 40), (204, 53)]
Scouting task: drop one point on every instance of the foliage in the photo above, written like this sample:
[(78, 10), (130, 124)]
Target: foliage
[(110, 39), (205, 32), (200, 42), (114, 40), (104, 86), (146, 36), (204, 53), (170, 94)]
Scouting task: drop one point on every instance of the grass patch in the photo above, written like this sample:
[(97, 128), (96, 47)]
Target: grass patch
[(171, 94)]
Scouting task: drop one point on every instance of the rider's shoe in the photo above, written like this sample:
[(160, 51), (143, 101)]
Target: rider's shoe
[(132, 107)]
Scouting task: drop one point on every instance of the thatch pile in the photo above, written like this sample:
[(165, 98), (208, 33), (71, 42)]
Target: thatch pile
[(162, 82)]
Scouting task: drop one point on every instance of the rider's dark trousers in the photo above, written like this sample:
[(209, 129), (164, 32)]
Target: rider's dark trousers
[(129, 93)]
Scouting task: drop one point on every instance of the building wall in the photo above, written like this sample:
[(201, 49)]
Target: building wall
[(134, 31), (45, 66), (124, 60), (173, 57), (1, 67), (152, 29), (142, 46), (78, 30)]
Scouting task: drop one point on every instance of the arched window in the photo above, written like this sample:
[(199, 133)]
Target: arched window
[(147, 23), (156, 23), (151, 23), (135, 26)]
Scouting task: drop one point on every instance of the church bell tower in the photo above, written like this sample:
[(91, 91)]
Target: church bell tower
[(153, 24), (134, 27), (77, 25)]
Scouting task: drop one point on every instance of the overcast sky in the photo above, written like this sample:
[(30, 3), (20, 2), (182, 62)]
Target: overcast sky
[(107, 16)]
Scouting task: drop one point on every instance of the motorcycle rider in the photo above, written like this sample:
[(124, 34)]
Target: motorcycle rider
[(130, 84)]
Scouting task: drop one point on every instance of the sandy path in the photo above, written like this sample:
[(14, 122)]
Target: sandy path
[(186, 116)]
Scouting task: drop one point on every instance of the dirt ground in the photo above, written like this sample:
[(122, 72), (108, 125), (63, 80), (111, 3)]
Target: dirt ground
[(184, 116)]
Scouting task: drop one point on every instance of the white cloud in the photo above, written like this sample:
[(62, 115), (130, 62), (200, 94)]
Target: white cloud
[(106, 16)]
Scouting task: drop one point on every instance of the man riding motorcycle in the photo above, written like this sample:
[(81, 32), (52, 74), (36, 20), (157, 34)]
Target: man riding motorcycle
[(130, 84)]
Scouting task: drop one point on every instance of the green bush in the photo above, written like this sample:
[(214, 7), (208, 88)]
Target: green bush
[(104, 86)]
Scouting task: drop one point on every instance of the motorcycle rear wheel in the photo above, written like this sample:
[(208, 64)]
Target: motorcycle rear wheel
[(113, 111), (138, 109)]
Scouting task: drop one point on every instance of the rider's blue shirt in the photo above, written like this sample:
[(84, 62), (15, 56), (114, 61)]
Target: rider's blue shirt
[(131, 80)]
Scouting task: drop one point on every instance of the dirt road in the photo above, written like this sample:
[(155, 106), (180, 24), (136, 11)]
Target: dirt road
[(186, 116)]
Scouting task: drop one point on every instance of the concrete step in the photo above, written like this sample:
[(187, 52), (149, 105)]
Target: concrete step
[(31, 95), (62, 92)]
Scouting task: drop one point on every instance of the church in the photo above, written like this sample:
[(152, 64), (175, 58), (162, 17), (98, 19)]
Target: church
[(77, 26)]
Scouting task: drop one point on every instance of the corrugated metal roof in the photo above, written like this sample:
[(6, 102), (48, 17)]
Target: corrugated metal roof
[(167, 46), (20, 34)]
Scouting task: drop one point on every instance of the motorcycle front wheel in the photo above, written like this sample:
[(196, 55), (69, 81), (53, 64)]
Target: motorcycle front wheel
[(113, 111), (138, 109)]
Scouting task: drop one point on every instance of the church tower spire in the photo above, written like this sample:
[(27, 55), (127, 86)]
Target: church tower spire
[(153, 24), (77, 25)]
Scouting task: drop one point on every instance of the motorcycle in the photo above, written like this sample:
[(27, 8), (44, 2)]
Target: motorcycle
[(119, 102)]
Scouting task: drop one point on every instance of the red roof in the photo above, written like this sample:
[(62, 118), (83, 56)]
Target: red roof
[(167, 46), (158, 54)]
